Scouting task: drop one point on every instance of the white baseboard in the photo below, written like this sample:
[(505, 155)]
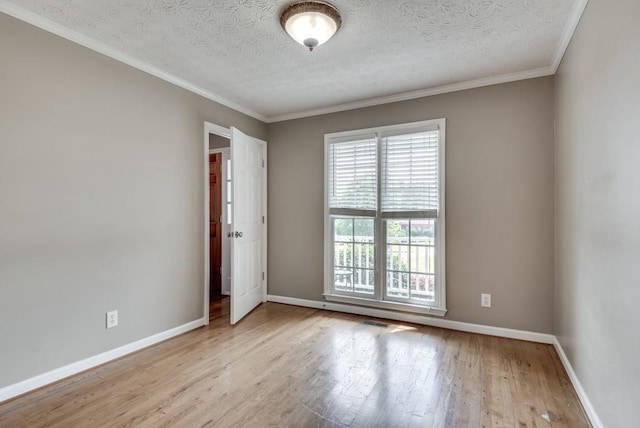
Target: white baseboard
[(39, 381), (55, 375), (582, 394), (418, 319)]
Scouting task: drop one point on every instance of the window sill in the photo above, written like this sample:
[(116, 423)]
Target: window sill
[(393, 306)]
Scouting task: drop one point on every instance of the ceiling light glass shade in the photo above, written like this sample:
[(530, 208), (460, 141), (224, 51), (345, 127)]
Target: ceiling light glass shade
[(311, 23)]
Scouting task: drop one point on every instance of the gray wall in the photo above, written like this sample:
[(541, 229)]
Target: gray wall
[(218, 142), (598, 208), (499, 199), (101, 201)]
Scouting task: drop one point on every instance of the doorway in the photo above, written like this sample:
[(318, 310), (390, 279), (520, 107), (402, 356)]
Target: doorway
[(235, 226), (219, 218)]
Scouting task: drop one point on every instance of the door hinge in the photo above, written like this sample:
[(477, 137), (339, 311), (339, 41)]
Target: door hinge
[(263, 163), (263, 276), (262, 219)]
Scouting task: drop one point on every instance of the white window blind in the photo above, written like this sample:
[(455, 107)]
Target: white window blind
[(409, 179), (352, 175)]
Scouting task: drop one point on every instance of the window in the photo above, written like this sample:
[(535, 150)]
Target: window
[(384, 217)]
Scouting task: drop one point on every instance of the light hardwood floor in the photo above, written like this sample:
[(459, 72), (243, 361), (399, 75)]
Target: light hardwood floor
[(288, 366)]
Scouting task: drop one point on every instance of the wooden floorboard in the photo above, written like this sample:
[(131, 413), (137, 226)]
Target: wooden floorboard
[(287, 366)]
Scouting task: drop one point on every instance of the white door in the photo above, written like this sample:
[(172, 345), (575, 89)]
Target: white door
[(247, 180)]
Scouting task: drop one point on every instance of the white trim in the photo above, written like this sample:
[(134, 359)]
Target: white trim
[(378, 133), (438, 90), (90, 43), (220, 131), (372, 132), (582, 394), (567, 35), (441, 223), (205, 229), (549, 339), (209, 128), (388, 305), (22, 387), (265, 251), (327, 251), (222, 150), (55, 375), (418, 319)]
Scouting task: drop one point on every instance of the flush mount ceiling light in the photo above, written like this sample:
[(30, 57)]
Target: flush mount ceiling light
[(311, 23)]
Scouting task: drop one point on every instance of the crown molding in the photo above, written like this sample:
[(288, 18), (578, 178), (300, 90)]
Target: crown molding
[(561, 48), (66, 33), (470, 84), (567, 35)]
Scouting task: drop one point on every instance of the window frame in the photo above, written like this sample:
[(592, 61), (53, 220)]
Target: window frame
[(438, 307)]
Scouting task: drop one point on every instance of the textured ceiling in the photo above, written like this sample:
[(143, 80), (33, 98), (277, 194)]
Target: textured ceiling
[(238, 51)]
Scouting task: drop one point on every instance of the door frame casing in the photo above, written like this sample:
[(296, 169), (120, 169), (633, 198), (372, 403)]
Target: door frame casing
[(212, 128), (265, 222)]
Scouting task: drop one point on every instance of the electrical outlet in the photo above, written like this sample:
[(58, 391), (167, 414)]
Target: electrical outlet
[(485, 300), (112, 319)]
